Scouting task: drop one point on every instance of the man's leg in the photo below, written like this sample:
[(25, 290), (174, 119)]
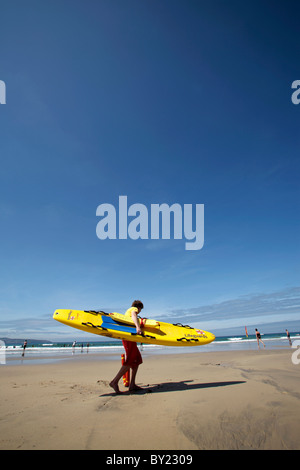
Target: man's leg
[(133, 385), (114, 383)]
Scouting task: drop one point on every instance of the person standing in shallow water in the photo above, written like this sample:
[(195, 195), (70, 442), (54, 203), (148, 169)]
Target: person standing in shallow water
[(258, 337), (133, 355), (24, 347), (289, 337)]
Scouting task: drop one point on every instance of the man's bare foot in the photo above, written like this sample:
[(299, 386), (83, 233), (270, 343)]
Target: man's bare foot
[(115, 387), (135, 388)]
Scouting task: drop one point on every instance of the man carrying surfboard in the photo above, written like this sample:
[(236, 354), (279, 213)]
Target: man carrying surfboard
[(133, 355)]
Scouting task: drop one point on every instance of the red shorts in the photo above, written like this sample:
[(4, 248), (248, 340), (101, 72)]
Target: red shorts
[(133, 355)]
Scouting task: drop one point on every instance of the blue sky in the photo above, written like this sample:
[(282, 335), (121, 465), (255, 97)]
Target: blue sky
[(169, 101)]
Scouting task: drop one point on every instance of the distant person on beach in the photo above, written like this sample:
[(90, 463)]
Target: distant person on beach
[(258, 337), (289, 337), (24, 347), (133, 356)]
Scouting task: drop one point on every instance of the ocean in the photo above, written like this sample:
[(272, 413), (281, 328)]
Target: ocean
[(11, 354)]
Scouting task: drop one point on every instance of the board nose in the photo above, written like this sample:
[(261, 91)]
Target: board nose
[(60, 315), (211, 337), (56, 315)]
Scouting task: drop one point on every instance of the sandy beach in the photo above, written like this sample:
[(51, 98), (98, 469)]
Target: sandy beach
[(217, 400)]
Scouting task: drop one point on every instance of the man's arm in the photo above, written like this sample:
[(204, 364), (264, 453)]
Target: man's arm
[(136, 322)]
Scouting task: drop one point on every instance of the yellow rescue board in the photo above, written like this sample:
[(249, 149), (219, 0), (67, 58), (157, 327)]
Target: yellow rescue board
[(104, 324)]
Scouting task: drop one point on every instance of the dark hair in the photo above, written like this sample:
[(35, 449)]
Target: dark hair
[(137, 304)]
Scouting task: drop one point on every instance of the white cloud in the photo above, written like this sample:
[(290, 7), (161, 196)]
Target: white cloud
[(275, 306)]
